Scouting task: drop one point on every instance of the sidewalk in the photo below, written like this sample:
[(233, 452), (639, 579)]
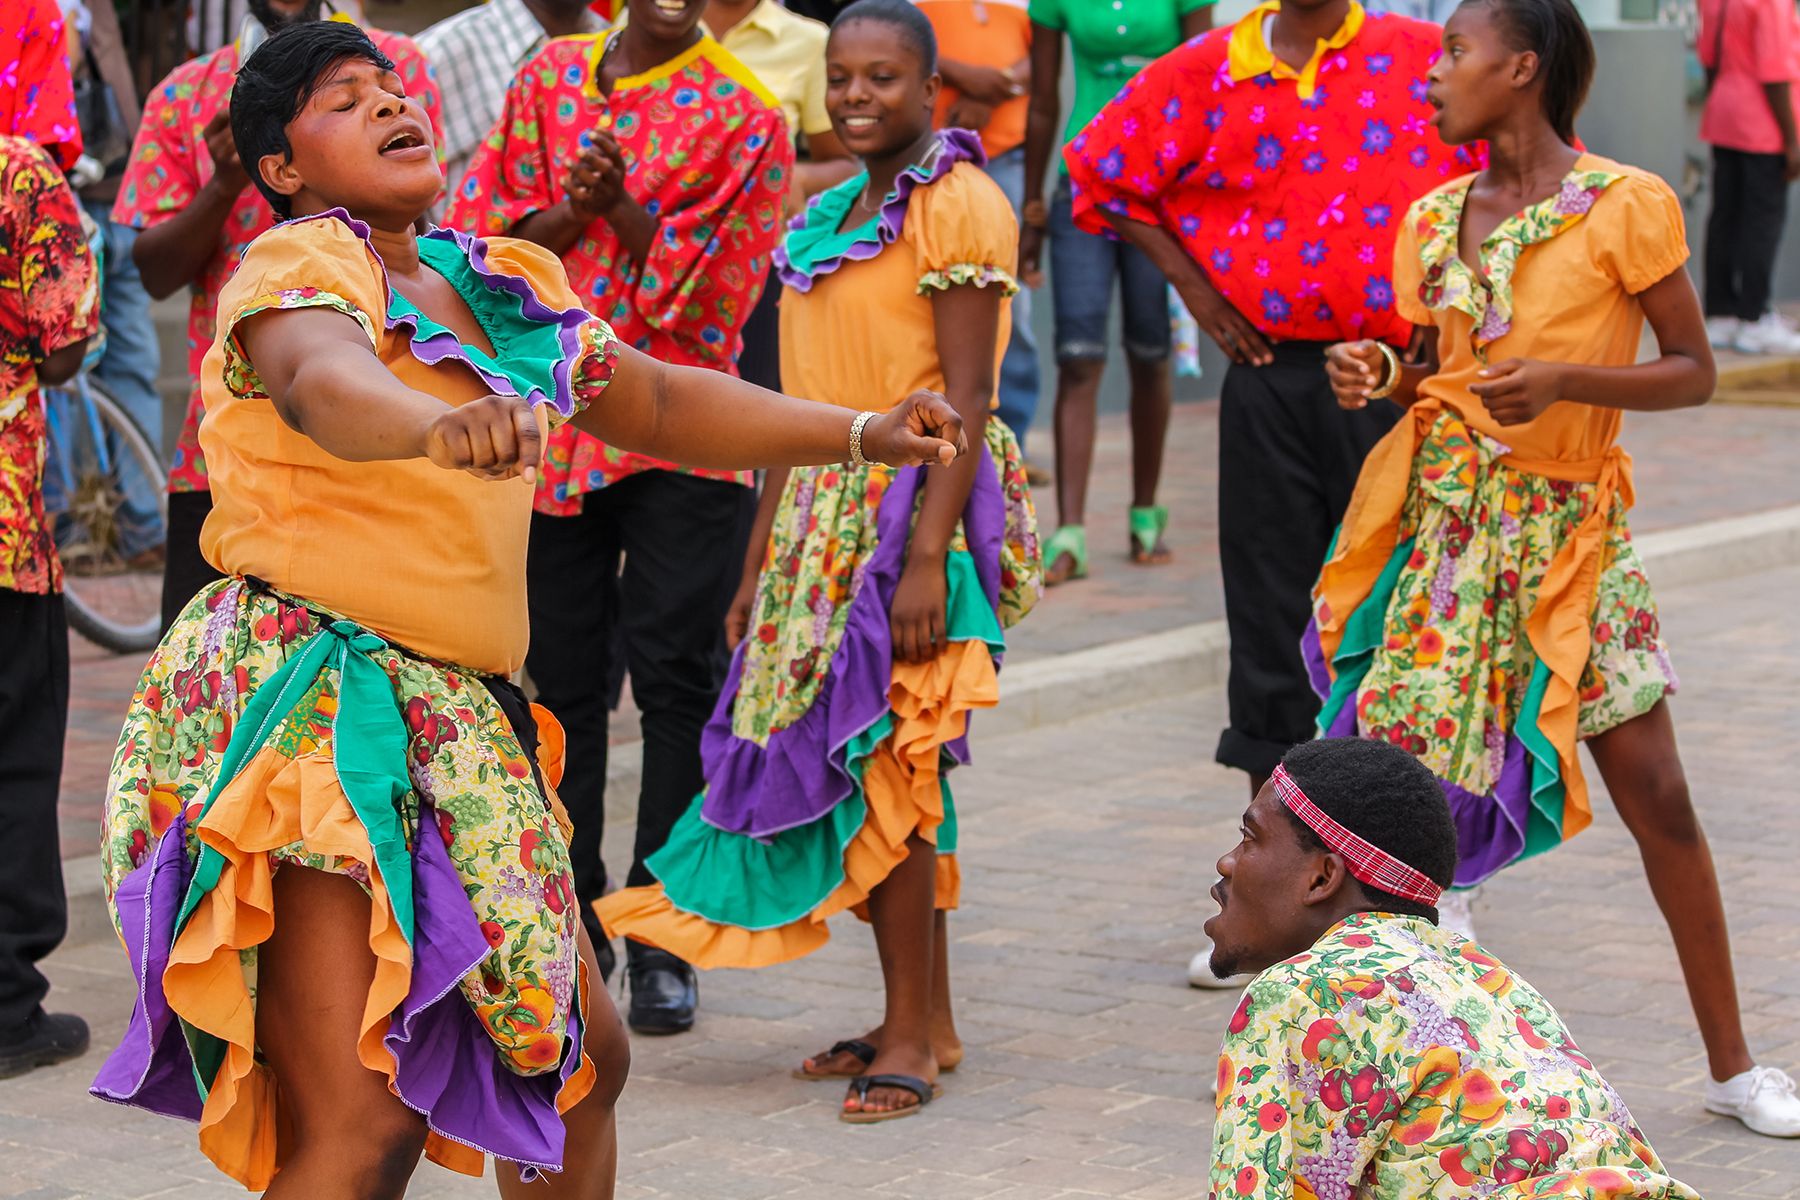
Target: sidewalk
[(1088, 852)]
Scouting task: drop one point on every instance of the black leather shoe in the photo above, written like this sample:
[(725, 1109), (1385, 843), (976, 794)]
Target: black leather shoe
[(46, 1039), (664, 993)]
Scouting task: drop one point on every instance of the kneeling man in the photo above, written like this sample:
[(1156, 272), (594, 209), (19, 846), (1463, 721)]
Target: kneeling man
[(1377, 1055)]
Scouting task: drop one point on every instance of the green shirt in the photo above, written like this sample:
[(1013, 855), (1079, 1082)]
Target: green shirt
[(1112, 41)]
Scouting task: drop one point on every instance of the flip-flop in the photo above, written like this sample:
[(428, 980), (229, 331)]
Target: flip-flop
[(926, 1092), (853, 1046)]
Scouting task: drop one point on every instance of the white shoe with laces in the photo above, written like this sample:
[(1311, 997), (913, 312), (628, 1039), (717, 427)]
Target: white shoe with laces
[(1769, 335), (1456, 911), (1200, 973), (1762, 1098), (1722, 332)]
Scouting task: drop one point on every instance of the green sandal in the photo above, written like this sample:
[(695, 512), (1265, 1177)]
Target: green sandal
[(1072, 541), (1148, 525)]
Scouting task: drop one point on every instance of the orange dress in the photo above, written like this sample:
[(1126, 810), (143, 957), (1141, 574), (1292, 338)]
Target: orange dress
[(1483, 606), (825, 755)]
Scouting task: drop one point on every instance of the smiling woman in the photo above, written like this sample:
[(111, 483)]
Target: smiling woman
[(333, 847)]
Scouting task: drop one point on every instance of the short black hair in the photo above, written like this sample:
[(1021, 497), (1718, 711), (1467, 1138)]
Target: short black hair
[(904, 16), (278, 80), (1555, 32), (1385, 796)]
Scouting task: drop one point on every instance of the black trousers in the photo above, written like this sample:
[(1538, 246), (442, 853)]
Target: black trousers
[(34, 715), (1288, 461), (639, 581), (185, 572), (1743, 231), (760, 360)]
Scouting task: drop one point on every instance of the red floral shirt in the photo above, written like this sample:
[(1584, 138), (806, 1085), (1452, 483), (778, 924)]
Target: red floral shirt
[(48, 300), (170, 164), (37, 101), (1287, 188), (706, 151)]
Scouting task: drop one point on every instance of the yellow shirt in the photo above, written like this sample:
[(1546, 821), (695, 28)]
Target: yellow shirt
[(786, 52)]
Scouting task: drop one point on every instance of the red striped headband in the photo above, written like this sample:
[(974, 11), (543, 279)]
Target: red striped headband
[(1366, 862)]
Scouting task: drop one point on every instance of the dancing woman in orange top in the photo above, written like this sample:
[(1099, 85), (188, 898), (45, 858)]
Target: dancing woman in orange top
[(1484, 607)]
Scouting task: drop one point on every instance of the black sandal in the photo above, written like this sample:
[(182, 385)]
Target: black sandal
[(852, 1046), (926, 1092)]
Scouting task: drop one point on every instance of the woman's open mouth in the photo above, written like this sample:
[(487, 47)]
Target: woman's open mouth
[(405, 144), (675, 9), (861, 124)]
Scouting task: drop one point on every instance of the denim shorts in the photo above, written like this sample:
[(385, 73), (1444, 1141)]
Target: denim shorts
[(1082, 269)]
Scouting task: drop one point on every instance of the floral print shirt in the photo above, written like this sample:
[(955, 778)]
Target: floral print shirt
[(37, 99), (169, 165), (48, 300), (1397, 1061), (1287, 188), (706, 152)]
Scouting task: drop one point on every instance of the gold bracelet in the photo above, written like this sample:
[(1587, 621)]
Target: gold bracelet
[(856, 432), (1393, 375)]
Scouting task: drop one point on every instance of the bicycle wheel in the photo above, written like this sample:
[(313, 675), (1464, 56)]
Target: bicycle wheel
[(104, 495)]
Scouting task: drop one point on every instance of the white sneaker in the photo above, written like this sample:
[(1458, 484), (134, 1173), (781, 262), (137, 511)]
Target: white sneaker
[(1766, 336), (1456, 911), (1200, 973), (1722, 332), (1762, 1098)]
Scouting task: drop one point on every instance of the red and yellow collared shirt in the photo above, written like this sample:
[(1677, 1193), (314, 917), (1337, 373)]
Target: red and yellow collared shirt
[(706, 152), (1286, 186)]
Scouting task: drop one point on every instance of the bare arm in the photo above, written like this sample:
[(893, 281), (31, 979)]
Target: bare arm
[(59, 366), (703, 418), (1041, 120), (1233, 332), (1781, 103), (1681, 377), (966, 321)]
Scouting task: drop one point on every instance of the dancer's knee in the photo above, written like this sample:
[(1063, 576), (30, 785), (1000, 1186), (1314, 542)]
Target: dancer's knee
[(377, 1151)]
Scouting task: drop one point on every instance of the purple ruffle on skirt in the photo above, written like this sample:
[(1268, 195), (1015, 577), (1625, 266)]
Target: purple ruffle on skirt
[(151, 1068), (446, 1066), (799, 774)]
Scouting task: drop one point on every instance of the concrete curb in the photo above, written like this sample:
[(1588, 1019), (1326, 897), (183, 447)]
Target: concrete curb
[(1061, 688)]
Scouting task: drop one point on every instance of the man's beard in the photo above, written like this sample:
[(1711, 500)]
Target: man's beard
[(272, 20)]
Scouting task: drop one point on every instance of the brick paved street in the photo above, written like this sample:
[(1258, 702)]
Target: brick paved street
[(1088, 853)]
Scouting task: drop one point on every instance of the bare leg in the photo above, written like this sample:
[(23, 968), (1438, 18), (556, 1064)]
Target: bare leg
[(901, 910), (591, 1147), (946, 1043), (1077, 390), (344, 1136), (1151, 398), (1642, 770)]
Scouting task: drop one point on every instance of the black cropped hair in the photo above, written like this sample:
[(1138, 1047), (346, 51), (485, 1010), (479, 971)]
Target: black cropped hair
[(903, 16), (1385, 796), (1555, 32), (278, 80)]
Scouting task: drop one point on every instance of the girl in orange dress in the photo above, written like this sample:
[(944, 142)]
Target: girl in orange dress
[(870, 621), (333, 846), (1484, 607)]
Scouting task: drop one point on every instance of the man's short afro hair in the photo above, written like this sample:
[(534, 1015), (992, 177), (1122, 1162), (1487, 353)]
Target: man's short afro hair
[(1386, 797)]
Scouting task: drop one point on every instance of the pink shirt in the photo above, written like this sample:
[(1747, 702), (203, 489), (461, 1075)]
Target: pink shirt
[(1759, 47)]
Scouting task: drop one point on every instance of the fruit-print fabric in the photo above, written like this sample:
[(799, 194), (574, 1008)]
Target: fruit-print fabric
[(1398, 1061), (1450, 677), (501, 831), (1287, 190), (706, 152), (49, 299), (170, 164)]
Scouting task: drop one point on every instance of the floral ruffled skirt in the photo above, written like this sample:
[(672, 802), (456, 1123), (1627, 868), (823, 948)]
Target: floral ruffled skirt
[(266, 735), (1438, 659), (825, 755)]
